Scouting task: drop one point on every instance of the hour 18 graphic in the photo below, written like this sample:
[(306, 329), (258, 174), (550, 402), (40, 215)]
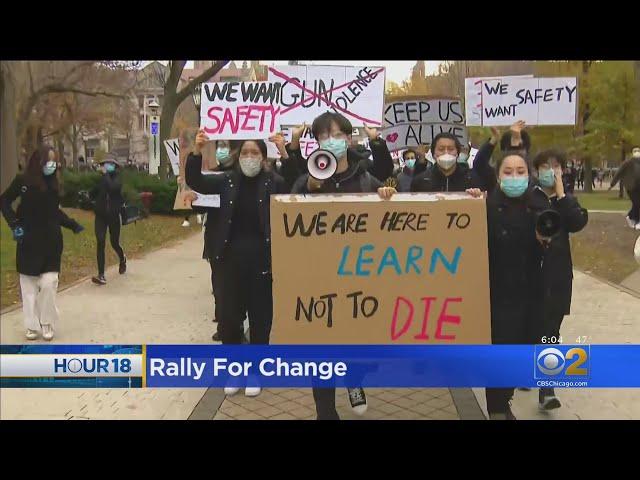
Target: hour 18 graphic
[(562, 362)]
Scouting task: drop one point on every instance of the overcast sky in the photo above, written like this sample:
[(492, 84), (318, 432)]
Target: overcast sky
[(397, 70)]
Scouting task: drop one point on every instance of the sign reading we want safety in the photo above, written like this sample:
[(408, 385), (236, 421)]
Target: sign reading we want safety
[(293, 95)]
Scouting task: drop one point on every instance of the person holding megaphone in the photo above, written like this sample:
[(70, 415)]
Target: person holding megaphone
[(561, 216), (331, 171)]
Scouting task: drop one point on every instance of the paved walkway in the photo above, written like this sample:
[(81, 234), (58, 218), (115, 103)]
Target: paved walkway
[(165, 298)]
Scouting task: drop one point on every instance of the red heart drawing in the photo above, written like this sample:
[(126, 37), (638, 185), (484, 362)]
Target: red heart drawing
[(392, 137)]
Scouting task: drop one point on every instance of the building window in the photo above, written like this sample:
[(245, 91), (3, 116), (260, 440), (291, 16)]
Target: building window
[(90, 152)]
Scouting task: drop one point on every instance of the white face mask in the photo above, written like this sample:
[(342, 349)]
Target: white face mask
[(446, 161), (250, 166)]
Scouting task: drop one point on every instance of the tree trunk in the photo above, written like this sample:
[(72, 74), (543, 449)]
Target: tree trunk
[(8, 134), (74, 147)]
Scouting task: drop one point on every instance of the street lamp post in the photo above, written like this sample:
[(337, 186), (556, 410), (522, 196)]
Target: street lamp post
[(197, 92), (154, 138)]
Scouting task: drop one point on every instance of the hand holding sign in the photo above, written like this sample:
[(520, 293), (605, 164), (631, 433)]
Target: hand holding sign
[(201, 140), (559, 186), (386, 193), (372, 133), (474, 192), (189, 198)]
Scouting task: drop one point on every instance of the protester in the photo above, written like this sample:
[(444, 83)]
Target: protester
[(569, 177), (447, 175), (629, 175), (580, 175), (241, 249), (333, 132), (108, 203), (404, 176), (515, 272), (557, 266), (36, 228)]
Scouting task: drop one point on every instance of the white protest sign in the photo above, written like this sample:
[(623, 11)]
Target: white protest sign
[(240, 110), (415, 121), (173, 151), (310, 90), (210, 201), (537, 101), (473, 97)]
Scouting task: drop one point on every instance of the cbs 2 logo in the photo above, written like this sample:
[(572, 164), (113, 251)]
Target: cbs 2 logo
[(551, 361)]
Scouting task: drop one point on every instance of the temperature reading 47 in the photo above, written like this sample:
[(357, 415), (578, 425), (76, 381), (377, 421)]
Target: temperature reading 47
[(583, 339)]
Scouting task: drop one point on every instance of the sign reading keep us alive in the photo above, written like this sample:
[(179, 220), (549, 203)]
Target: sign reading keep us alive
[(537, 101), (354, 269)]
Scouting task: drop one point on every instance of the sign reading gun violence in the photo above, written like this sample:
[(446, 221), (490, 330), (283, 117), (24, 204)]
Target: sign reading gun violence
[(310, 90), (537, 101), (414, 121), (353, 269)]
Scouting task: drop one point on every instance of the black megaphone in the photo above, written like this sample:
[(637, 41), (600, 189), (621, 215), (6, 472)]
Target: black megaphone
[(548, 223)]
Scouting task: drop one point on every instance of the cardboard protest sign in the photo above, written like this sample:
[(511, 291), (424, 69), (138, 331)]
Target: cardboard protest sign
[(414, 121), (308, 143), (354, 269), (537, 101), (240, 110), (310, 90), (173, 151)]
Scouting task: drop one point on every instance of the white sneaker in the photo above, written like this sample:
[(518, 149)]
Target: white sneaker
[(199, 219), (231, 390), (252, 391), (631, 223), (47, 332), (186, 224), (32, 334)]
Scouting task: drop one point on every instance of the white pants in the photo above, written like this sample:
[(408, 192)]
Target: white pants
[(39, 300)]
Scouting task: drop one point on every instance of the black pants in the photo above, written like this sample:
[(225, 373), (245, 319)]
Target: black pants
[(243, 285), (101, 225), (325, 399), (634, 213), (215, 281), (511, 324)]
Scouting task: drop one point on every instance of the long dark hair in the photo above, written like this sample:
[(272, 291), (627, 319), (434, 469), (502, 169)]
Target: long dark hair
[(33, 173)]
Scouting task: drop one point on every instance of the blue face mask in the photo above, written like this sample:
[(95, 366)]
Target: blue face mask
[(547, 178), (336, 146), (410, 163), (110, 167), (222, 155), (514, 187), (49, 168)]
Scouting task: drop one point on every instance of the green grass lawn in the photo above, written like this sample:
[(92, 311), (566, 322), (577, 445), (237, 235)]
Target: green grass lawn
[(79, 254), (604, 200)]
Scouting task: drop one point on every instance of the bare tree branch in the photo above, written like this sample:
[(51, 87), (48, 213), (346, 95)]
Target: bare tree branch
[(206, 75), (81, 91)]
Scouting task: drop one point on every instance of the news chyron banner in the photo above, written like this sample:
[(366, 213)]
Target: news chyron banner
[(304, 366)]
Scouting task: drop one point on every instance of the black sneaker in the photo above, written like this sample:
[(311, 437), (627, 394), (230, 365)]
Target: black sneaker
[(99, 280), (123, 265), (547, 400), (506, 415), (216, 337), (358, 400)]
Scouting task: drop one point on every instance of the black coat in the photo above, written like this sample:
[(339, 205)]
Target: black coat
[(433, 180), (226, 185), (108, 195), (557, 267), (381, 167), (515, 272), (356, 179), (40, 249)]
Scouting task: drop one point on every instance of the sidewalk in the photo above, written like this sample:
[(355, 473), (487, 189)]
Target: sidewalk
[(165, 298)]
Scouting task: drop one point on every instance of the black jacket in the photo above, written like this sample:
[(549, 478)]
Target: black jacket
[(515, 272), (226, 185), (40, 249), (557, 266), (629, 174), (356, 179), (381, 167), (108, 195), (433, 180)]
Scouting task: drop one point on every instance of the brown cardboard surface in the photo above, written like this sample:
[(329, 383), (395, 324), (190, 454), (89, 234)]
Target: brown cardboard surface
[(305, 267)]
